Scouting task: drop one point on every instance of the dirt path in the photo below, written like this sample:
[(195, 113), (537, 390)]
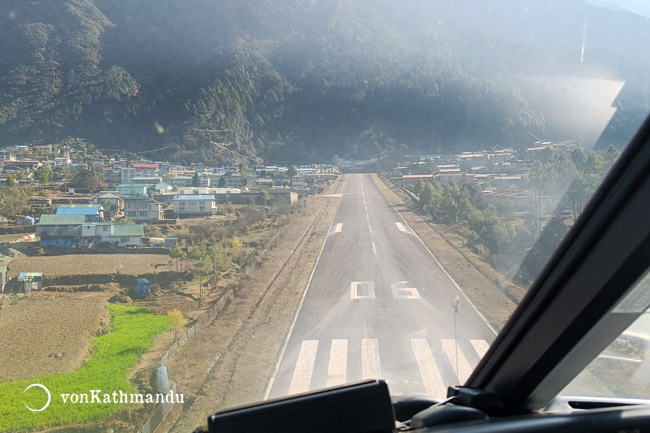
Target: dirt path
[(231, 361)]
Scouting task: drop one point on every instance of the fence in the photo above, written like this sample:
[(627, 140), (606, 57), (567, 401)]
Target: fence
[(162, 410), (158, 416)]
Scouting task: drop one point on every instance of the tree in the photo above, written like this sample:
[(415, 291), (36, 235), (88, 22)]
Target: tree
[(11, 181), (292, 171), (179, 254), (418, 187), (243, 172), (176, 321), (43, 175), (88, 178), (236, 245), (265, 197), (222, 182), (2, 201), (202, 268), (217, 256), (196, 181)]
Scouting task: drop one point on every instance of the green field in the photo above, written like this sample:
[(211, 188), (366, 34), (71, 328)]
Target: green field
[(132, 333)]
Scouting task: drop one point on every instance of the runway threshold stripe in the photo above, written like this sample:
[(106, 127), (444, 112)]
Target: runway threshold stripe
[(338, 228), (301, 379), (465, 369), (401, 227), (338, 365), (370, 362), (480, 346), (433, 383)]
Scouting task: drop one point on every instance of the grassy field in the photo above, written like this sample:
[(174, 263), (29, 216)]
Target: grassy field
[(133, 330)]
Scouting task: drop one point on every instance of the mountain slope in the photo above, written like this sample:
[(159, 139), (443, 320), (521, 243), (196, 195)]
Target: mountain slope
[(302, 79)]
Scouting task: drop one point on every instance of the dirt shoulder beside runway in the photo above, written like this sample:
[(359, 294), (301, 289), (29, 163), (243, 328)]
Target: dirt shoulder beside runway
[(488, 299)]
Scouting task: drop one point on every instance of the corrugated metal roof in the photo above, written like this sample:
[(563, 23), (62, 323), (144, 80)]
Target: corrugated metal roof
[(79, 205), (61, 220), (194, 197), (128, 230), (132, 185), (78, 210), (138, 197), (3, 268)]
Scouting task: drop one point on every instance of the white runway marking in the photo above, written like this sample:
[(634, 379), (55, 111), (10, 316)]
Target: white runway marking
[(404, 292), (367, 289), (367, 217), (374, 248), (433, 383), (463, 366), (338, 228), (370, 363), (369, 229), (480, 346), (401, 227), (338, 365), (301, 379)]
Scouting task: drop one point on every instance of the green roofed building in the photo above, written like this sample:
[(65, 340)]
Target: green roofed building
[(65, 231)]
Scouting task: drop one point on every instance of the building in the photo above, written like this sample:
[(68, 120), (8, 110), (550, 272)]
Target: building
[(508, 181), (180, 181), (205, 180), (63, 161), (64, 231), (468, 161), (109, 200), (142, 208), (194, 204), (7, 155), (413, 179), (29, 281), (450, 175), (298, 182), (131, 188), (60, 230), (163, 186), (233, 180), (146, 170), (150, 181), (91, 212), (120, 235), (25, 221), (138, 170), (20, 166)]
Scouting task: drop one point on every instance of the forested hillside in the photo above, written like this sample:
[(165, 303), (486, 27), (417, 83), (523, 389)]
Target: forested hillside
[(296, 80)]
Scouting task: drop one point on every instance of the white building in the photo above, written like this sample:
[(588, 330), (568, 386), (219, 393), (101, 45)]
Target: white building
[(194, 204)]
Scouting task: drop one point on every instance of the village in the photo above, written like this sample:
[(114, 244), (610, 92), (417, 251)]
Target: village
[(84, 232)]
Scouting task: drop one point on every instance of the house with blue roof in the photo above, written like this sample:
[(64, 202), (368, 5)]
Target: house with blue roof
[(91, 212)]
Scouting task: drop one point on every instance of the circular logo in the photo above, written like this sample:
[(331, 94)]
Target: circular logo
[(49, 397)]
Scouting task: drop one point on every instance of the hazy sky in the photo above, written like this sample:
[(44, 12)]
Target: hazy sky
[(641, 7)]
